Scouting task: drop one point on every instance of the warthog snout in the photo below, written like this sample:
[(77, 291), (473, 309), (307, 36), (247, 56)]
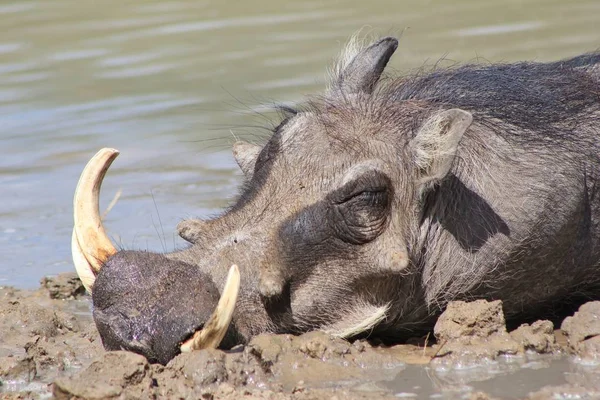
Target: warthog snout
[(153, 305)]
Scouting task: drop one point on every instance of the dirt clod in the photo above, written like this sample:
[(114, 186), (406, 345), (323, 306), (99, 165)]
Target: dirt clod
[(583, 331), (477, 319), (64, 286), (42, 338), (202, 368), (468, 333), (538, 337), (109, 376)]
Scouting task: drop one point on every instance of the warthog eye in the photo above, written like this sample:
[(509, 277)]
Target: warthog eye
[(361, 208)]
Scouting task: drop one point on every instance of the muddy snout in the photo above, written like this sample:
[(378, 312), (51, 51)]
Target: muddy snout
[(145, 302), (151, 305)]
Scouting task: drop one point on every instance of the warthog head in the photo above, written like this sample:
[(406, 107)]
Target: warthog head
[(319, 238)]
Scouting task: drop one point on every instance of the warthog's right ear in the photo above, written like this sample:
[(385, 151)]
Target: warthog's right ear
[(245, 155), (435, 145), (365, 69)]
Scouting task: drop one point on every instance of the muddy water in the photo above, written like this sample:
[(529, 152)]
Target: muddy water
[(173, 83)]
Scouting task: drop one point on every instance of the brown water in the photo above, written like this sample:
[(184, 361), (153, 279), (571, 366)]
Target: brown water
[(173, 83)]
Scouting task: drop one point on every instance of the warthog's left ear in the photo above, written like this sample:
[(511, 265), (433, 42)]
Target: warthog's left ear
[(366, 67), (245, 155), (435, 145)]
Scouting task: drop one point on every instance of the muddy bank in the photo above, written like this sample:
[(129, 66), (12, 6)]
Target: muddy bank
[(49, 347), (44, 334)]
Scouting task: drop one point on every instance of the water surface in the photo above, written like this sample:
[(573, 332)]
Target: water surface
[(172, 84)]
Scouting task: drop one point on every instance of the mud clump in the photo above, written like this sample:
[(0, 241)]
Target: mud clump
[(538, 337), (42, 338), (49, 346), (66, 286), (202, 368), (469, 333), (583, 331), (114, 374), (477, 319)]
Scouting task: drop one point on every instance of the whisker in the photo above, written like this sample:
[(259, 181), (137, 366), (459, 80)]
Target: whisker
[(161, 238)]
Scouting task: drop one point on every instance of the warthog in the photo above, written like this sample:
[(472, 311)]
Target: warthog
[(370, 208)]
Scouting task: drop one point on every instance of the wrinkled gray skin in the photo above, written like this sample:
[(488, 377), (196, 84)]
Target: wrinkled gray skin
[(375, 204)]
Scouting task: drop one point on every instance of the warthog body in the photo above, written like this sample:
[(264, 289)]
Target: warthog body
[(373, 205)]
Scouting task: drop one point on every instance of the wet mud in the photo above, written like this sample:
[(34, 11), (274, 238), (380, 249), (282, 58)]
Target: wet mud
[(49, 347)]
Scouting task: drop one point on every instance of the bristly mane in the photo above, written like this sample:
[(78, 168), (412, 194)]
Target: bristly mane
[(553, 97), (512, 99)]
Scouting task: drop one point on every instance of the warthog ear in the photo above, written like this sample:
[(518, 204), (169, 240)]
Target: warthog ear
[(366, 67), (245, 155), (192, 230), (434, 147)]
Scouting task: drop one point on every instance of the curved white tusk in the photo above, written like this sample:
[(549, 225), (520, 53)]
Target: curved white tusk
[(90, 241), (215, 328)]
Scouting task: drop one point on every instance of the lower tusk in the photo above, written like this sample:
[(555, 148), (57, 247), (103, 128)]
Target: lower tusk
[(215, 328), (82, 266)]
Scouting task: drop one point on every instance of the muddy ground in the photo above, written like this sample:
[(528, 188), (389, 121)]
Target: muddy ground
[(49, 348)]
